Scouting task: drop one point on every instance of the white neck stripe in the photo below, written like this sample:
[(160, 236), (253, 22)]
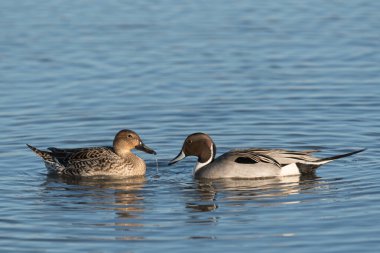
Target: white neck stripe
[(200, 165)]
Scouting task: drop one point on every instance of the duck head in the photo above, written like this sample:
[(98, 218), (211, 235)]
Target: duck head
[(126, 140), (199, 145)]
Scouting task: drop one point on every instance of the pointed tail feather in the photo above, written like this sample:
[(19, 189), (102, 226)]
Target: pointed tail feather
[(332, 158), (47, 156), (310, 167)]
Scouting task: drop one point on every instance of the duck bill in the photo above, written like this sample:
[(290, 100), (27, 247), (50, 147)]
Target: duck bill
[(178, 158), (145, 148)]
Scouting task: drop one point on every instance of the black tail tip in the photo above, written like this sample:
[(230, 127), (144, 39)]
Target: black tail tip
[(31, 147), (353, 152), (359, 150), (343, 155)]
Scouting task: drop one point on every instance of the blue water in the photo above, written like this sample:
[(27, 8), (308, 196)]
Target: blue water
[(282, 74)]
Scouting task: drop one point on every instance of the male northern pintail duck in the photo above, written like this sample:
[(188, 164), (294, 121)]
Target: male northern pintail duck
[(248, 163), (98, 161)]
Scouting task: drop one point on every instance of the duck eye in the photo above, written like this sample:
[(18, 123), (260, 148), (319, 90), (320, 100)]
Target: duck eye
[(189, 141), (129, 136)]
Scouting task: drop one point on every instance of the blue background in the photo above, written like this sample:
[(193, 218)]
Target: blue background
[(289, 74)]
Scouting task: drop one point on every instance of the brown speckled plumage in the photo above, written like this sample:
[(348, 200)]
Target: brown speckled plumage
[(98, 161)]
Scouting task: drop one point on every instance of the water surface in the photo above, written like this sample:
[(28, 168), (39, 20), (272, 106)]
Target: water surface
[(285, 74)]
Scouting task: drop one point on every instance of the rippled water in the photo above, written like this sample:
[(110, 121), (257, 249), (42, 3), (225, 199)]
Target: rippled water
[(289, 74)]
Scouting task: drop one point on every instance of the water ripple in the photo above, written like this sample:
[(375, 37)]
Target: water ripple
[(282, 74)]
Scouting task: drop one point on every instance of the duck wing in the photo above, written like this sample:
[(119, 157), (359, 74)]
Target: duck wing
[(251, 156), (304, 160), (285, 157), (76, 156)]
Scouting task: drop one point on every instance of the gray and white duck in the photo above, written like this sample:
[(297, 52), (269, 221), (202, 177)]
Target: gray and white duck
[(117, 160), (249, 163)]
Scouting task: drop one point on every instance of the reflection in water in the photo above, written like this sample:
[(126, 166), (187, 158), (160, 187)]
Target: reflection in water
[(122, 196), (121, 202), (238, 191)]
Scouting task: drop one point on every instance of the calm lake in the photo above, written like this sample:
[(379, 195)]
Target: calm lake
[(272, 74)]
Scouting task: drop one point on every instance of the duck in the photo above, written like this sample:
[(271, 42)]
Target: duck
[(252, 163), (117, 160)]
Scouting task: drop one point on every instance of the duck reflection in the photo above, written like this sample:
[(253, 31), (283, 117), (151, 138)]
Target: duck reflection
[(238, 191), (121, 195)]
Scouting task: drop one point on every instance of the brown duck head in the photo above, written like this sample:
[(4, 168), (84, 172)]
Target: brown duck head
[(199, 145), (126, 140)]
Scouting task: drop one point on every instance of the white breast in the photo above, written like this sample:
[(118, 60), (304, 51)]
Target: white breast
[(290, 170)]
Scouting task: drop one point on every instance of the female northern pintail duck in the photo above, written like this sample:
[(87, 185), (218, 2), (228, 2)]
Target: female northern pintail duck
[(248, 163), (99, 161)]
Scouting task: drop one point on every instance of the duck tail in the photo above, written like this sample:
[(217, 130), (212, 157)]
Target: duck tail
[(47, 156), (332, 158), (310, 167)]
